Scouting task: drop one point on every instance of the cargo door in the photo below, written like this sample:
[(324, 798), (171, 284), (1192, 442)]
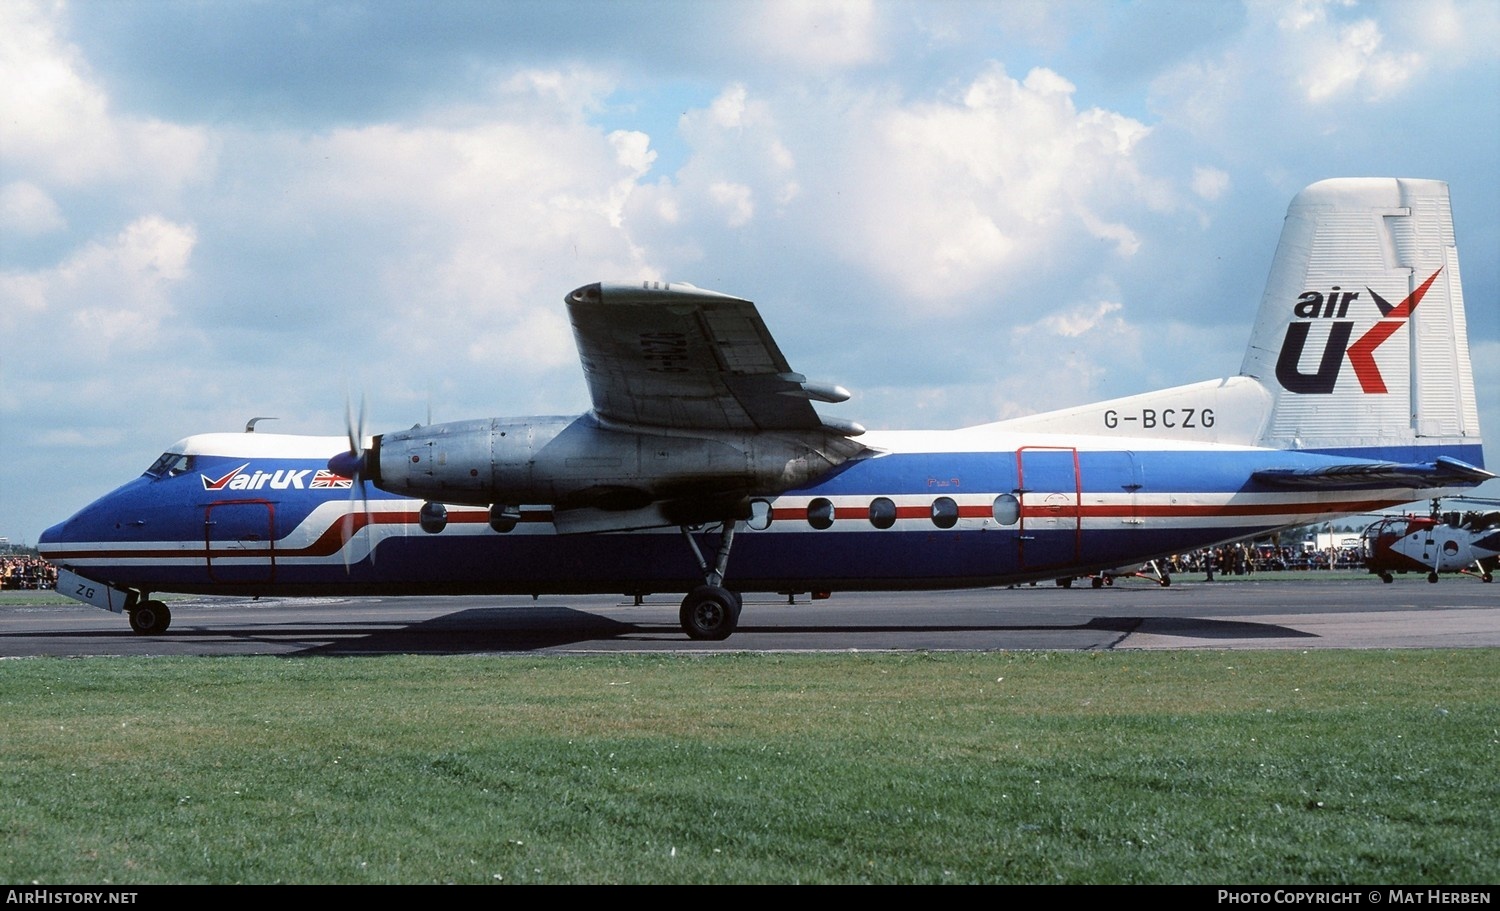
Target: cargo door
[(1049, 485), (240, 539)]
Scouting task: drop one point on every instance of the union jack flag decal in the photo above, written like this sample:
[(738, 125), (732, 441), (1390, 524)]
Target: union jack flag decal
[(327, 480)]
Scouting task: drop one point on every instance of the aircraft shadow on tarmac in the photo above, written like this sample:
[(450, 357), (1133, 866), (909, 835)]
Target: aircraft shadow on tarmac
[(482, 630), (544, 627)]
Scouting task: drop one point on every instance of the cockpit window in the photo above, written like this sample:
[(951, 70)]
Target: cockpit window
[(171, 464)]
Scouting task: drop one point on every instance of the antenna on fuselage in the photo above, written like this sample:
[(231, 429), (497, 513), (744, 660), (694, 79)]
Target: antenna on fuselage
[(250, 424)]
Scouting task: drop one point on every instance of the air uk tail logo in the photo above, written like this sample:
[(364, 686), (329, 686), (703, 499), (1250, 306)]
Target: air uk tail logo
[(1334, 306)]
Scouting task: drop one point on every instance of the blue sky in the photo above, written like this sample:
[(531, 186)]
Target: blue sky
[(961, 211)]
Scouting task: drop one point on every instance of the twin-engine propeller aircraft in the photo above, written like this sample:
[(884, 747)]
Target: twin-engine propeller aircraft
[(1467, 544), (1355, 395)]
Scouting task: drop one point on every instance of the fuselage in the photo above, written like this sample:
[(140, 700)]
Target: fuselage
[(262, 514)]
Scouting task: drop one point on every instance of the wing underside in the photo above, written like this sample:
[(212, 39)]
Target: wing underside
[(679, 357)]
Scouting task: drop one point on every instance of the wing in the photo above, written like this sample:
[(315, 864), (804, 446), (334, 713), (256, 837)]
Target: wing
[(676, 356)]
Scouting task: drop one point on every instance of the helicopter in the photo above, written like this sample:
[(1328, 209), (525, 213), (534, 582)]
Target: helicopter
[(1466, 543)]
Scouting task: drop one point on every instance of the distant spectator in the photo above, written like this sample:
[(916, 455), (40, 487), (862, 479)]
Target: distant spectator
[(19, 572)]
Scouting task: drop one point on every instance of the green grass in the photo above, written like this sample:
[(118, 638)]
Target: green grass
[(29, 597), (1238, 767)]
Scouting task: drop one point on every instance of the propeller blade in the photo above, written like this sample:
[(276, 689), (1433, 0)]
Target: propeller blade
[(354, 466)]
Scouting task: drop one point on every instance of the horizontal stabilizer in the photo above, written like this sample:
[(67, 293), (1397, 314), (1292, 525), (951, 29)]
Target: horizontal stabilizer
[(1444, 472)]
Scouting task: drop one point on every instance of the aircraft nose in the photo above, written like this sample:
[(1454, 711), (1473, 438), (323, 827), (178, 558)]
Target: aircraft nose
[(53, 538), (115, 516)]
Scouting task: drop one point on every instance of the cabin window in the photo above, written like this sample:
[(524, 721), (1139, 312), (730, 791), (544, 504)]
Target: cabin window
[(944, 512), (1007, 509), (760, 515), (820, 513), (882, 512), (433, 517)]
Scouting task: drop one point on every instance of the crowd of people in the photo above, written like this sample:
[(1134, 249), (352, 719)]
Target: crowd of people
[(19, 571), (1243, 559)]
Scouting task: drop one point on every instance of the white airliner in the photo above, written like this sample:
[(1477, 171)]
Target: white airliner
[(703, 445)]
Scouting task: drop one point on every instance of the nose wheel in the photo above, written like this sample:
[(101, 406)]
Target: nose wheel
[(150, 618)]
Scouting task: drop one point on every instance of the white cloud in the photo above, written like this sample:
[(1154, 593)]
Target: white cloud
[(734, 199), (1449, 33), (738, 159), (814, 35), (1353, 60), (26, 208), (484, 224), (939, 197), (108, 294), (1080, 319), (727, 111), (58, 126), (1210, 183)]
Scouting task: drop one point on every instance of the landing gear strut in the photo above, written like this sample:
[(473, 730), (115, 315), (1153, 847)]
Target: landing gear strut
[(711, 611)]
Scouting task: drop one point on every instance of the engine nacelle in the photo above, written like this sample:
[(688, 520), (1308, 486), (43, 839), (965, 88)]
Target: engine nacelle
[(574, 462)]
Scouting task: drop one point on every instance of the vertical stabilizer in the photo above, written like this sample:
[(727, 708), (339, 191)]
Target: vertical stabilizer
[(1360, 338)]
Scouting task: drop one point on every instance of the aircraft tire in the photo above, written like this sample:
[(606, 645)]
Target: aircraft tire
[(150, 618), (1098, 582), (1387, 578), (1432, 577), (1166, 581), (710, 613)]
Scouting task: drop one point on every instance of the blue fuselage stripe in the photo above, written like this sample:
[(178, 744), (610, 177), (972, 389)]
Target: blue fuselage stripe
[(260, 532)]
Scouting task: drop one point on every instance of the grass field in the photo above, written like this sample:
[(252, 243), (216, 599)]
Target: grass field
[(1327, 767)]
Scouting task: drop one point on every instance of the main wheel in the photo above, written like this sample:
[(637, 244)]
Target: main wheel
[(710, 612), (1432, 577), (150, 618), (1387, 578)]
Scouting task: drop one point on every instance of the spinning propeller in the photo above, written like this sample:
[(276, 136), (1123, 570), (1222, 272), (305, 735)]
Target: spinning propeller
[(354, 465)]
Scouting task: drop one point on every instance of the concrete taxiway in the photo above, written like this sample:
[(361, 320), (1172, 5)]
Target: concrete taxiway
[(1238, 614)]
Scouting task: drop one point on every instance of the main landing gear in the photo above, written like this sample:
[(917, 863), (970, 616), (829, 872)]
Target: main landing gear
[(150, 618), (711, 611)]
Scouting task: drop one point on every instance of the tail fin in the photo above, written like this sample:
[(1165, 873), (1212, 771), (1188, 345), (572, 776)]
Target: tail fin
[(1360, 350), (1361, 340)]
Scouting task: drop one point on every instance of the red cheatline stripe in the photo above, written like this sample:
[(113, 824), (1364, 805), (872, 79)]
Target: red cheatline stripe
[(334, 538)]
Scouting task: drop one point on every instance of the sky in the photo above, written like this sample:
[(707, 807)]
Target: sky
[(961, 211)]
